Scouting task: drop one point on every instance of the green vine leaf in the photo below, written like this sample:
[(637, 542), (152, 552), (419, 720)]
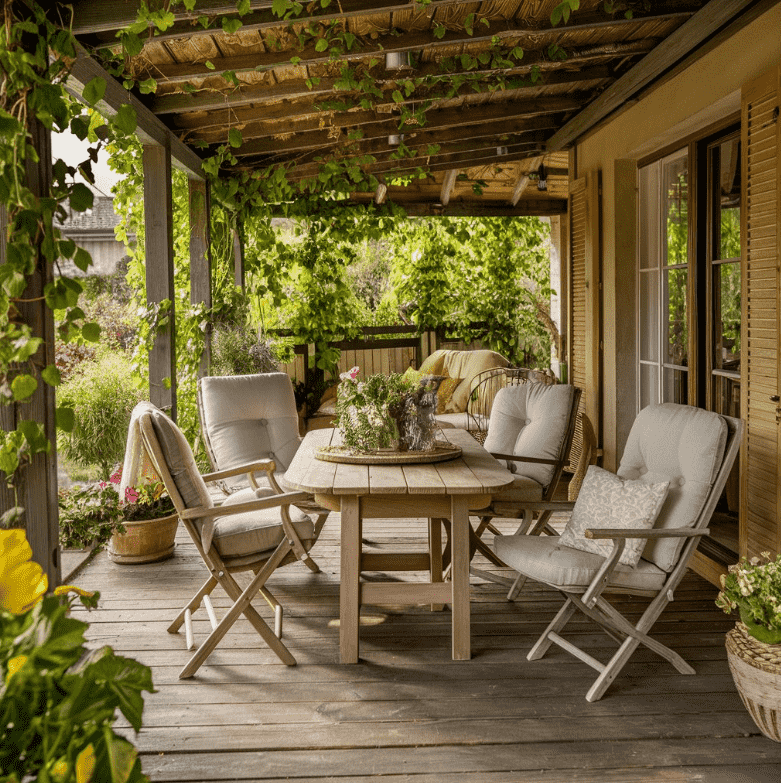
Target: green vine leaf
[(90, 332), (230, 26), (81, 198), (126, 119), (65, 419), (51, 375), (23, 387), (94, 90)]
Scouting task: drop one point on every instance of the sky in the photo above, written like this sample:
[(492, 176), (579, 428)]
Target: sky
[(73, 151)]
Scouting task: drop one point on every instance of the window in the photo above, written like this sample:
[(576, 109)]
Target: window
[(664, 281)]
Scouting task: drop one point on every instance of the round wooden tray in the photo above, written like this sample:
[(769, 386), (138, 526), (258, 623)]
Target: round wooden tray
[(346, 456)]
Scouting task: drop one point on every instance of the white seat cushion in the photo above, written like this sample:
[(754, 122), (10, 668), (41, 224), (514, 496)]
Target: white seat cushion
[(522, 488), (545, 559), (530, 420), (255, 531), (682, 445), (450, 420)]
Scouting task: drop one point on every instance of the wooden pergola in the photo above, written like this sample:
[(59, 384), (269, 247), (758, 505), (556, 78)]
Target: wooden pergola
[(482, 140)]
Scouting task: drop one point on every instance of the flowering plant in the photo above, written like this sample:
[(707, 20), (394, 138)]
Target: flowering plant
[(92, 513), (753, 587), (366, 409), (58, 702)]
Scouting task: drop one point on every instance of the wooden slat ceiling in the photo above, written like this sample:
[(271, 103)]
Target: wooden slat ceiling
[(481, 143)]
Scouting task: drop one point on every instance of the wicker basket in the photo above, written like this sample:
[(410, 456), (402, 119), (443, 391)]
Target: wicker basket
[(756, 669)]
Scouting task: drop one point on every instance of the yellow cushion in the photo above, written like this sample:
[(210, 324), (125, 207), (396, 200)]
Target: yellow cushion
[(445, 392), (434, 364)]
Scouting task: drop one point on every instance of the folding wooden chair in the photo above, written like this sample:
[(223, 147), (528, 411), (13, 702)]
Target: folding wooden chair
[(251, 530), (689, 449)]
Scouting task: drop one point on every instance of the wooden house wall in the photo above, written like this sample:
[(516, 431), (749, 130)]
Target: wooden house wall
[(708, 92)]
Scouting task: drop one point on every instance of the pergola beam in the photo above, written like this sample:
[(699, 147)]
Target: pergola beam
[(523, 181), (448, 183), (417, 208), (680, 43), (150, 129), (405, 42)]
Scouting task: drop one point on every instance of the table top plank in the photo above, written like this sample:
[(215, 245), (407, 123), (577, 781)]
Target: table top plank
[(387, 480), (423, 480), (475, 472)]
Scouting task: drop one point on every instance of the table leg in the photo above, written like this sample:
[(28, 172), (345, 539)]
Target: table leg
[(435, 555), (459, 578), (349, 579)]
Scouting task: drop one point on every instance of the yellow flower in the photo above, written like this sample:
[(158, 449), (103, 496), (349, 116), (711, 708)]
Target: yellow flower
[(85, 764), (22, 581), (59, 771), (14, 665), (65, 589)]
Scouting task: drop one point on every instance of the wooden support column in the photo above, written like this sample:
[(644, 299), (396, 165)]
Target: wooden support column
[(158, 217), (37, 482), (201, 259), (238, 255)]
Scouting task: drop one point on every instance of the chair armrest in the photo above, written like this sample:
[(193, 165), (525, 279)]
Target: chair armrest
[(535, 460), (285, 499), (267, 465), (672, 532)]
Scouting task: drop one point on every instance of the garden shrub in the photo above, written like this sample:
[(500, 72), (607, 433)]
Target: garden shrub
[(237, 350), (102, 395)]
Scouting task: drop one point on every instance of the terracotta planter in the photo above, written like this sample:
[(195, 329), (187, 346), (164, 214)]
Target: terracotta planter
[(145, 540), (756, 669)]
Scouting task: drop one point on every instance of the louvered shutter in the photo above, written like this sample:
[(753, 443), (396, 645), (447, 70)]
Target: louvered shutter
[(761, 239), (584, 287)]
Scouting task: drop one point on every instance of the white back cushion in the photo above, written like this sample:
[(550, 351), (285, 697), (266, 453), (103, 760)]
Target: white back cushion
[(530, 420), (682, 445), (250, 417)]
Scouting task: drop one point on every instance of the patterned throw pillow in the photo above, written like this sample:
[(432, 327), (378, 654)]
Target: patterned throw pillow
[(605, 500), (445, 392)]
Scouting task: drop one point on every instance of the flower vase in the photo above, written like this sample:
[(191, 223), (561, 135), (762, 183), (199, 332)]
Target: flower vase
[(144, 540), (420, 424), (756, 670)]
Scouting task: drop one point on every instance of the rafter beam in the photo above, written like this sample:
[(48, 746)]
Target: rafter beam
[(417, 207), (406, 42), (523, 180), (324, 141), (681, 42), (233, 97)]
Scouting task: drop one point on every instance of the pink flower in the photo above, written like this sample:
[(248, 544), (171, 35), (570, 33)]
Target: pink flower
[(131, 495), (102, 484), (116, 476), (350, 375)]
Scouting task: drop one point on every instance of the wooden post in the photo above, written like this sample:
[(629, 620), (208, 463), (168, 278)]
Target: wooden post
[(158, 218), (37, 483), (238, 256), (201, 259)]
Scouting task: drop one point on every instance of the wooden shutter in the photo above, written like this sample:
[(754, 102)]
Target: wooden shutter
[(584, 306), (760, 485)]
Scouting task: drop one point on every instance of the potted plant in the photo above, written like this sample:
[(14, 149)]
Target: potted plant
[(753, 587), (149, 520), (89, 515)]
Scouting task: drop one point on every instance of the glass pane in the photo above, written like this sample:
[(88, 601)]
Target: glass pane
[(676, 386), (649, 216), (726, 396), (675, 298), (649, 385), (675, 206), (726, 316), (729, 199), (649, 316)]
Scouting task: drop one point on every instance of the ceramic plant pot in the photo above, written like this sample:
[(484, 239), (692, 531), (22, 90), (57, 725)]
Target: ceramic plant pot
[(144, 540)]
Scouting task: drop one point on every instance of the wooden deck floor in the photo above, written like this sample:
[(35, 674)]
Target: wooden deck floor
[(407, 712)]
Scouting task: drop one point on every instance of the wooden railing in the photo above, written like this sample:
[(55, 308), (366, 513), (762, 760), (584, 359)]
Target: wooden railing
[(381, 349)]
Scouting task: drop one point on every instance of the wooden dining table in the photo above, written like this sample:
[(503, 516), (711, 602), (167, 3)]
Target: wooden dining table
[(444, 490)]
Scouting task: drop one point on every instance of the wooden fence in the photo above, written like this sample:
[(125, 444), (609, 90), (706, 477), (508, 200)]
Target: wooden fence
[(381, 349)]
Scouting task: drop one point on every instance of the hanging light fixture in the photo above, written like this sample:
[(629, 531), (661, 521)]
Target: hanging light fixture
[(397, 60), (395, 139), (500, 151), (542, 178)]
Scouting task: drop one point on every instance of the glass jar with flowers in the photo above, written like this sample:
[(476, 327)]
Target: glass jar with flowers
[(753, 587)]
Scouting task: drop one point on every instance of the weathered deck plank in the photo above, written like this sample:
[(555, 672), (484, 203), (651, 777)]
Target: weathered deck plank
[(494, 719)]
